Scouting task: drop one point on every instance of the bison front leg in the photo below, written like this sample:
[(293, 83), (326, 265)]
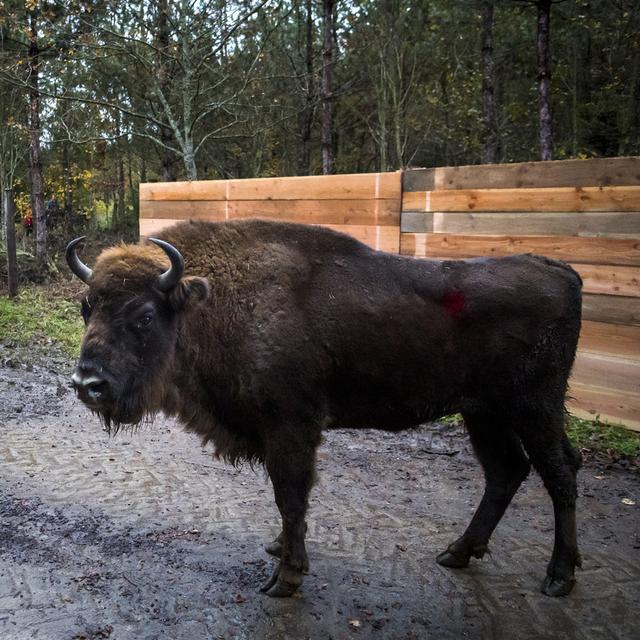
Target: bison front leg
[(290, 462)]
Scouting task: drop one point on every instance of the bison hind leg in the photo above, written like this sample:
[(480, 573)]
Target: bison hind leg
[(275, 548), (505, 466), (557, 462)]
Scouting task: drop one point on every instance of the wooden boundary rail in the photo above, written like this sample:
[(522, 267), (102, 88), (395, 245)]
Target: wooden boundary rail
[(586, 212)]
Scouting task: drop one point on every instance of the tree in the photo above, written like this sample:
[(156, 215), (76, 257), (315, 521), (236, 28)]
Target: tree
[(328, 7), (490, 134), (544, 78)]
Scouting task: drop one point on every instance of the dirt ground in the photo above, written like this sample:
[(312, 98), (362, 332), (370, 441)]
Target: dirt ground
[(145, 536)]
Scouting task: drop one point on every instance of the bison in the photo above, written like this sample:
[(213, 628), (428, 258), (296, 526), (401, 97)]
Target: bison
[(258, 335)]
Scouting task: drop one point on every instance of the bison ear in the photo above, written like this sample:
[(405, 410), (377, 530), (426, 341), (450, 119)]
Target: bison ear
[(189, 292)]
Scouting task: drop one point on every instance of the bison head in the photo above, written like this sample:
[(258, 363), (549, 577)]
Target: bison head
[(132, 316)]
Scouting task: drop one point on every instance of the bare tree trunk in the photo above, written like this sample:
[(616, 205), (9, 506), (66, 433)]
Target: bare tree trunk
[(544, 80), (122, 212), (133, 190), (10, 234), (327, 96), (307, 117), (67, 203), (488, 81), (35, 162), (167, 158)]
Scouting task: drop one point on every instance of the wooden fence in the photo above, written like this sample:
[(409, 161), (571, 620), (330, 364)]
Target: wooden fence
[(586, 212)]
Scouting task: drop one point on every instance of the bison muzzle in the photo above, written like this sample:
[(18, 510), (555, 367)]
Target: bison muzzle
[(258, 335)]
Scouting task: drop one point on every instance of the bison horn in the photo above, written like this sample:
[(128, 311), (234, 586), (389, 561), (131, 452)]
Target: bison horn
[(171, 277), (75, 264)]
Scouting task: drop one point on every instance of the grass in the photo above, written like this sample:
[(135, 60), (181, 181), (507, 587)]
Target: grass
[(603, 438), (34, 318)]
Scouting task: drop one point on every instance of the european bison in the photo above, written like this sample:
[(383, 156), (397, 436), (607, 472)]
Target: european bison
[(273, 332)]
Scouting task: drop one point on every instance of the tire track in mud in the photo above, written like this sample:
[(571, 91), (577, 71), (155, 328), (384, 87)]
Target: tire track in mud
[(146, 536)]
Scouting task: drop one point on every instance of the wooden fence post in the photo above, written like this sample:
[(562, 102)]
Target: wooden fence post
[(10, 232)]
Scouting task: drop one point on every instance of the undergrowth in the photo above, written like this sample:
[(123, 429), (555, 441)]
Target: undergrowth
[(36, 319)]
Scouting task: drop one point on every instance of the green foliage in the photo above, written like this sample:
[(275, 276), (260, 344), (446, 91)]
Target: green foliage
[(601, 437), (35, 319)]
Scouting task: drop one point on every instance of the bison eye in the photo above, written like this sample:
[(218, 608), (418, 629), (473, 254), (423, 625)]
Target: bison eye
[(144, 321)]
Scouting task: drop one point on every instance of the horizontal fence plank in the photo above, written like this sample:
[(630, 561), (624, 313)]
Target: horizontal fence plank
[(368, 212), (611, 309), (594, 223), (592, 172), (184, 209), (150, 226), (383, 238), (614, 339), (378, 186), (416, 221), (615, 407), (607, 371), (614, 251), (609, 279), (518, 200)]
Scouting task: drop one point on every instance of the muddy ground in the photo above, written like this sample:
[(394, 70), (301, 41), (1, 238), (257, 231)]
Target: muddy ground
[(145, 536)]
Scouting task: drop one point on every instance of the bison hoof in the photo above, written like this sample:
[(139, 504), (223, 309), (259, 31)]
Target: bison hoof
[(453, 560), (556, 587), (283, 583), (457, 557), (275, 548)]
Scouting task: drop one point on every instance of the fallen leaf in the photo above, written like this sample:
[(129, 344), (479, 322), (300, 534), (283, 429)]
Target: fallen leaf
[(355, 624)]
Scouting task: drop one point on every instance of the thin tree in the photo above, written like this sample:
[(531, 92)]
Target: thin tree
[(35, 161), (326, 137), (488, 83), (544, 79)]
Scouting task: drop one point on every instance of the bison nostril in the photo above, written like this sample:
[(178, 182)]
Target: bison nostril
[(89, 384), (96, 390)]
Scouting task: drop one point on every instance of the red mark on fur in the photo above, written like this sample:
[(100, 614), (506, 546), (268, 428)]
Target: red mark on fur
[(454, 302)]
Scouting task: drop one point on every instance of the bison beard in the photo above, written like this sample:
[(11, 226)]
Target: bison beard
[(267, 333)]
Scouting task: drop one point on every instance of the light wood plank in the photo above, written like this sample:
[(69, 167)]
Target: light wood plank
[(614, 407), (591, 172), (378, 186), (609, 280), (184, 209), (368, 212), (615, 251), (607, 371), (515, 200), (381, 238), (151, 226), (614, 339), (596, 223)]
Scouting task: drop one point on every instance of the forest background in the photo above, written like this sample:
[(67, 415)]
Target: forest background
[(96, 97)]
